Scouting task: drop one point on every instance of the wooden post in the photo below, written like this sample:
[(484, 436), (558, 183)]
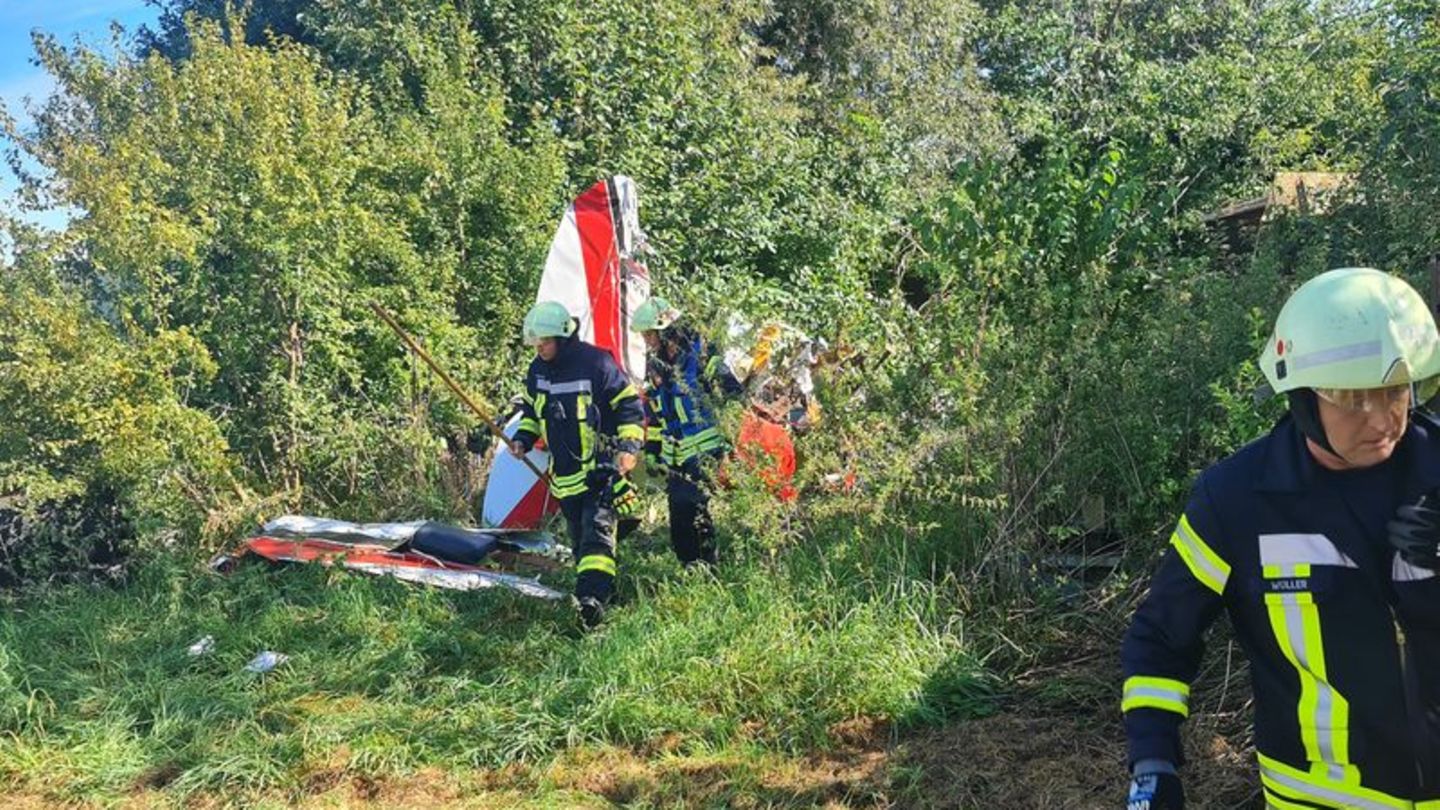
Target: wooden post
[(450, 382)]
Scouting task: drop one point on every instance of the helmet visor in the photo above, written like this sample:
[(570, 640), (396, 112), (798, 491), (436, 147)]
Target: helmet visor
[(1368, 400)]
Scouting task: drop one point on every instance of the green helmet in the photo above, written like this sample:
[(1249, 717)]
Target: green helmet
[(547, 319), (656, 313), (1354, 328)]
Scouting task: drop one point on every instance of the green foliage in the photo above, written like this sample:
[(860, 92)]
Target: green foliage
[(250, 199), (994, 212), (905, 73), (1031, 275), (1028, 179), (1396, 222), (1210, 97), (94, 423), (745, 167)]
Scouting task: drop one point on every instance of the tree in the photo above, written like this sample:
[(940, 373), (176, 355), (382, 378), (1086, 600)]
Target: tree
[(255, 199), (1214, 97)]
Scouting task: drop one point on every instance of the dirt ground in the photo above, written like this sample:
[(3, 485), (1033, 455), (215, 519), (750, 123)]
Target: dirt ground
[(1016, 760), (1012, 760), (1008, 760)]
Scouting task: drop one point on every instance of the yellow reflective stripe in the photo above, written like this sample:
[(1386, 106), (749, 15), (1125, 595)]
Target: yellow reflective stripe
[(563, 486), (680, 411), (572, 477), (540, 414), (1323, 713), (699, 438), (1131, 703), (1143, 691), (709, 441), (1291, 783), (1274, 802), (626, 500), (1203, 562), (1283, 571), (630, 432), (596, 562), (625, 393), (529, 426), (587, 433), (702, 442), (560, 491), (686, 455)]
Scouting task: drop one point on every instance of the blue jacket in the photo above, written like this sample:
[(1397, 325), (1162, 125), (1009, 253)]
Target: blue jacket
[(1297, 556), (585, 408), (682, 422)]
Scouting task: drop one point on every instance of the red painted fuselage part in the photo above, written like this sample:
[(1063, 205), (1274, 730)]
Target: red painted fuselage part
[(327, 551), (532, 509), (602, 260)]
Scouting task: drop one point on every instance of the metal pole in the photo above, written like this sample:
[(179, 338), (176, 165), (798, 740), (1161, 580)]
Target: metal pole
[(454, 386)]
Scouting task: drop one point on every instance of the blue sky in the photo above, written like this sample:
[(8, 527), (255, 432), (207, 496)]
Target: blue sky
[(89, 20)]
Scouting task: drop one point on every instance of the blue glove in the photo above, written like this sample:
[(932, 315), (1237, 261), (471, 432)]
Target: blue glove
[(1155, 786)]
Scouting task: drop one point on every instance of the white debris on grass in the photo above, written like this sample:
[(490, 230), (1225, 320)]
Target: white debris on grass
[(266, 661)]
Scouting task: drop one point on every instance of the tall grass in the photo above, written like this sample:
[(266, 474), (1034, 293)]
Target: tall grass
[(98, 695)]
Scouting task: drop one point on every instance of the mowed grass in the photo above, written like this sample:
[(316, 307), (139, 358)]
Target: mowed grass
[(98, 697)]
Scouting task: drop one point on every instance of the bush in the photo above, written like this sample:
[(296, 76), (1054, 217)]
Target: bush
[(99, 445)]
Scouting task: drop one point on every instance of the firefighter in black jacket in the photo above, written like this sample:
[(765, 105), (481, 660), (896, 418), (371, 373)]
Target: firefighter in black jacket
[(591, 418), (1316, 542)]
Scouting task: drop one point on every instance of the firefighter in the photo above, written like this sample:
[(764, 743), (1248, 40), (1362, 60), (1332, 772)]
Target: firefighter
[(1316, 542), (682, 435), (592, 420)]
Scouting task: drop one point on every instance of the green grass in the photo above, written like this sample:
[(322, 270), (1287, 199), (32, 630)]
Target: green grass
[(98, 696)]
